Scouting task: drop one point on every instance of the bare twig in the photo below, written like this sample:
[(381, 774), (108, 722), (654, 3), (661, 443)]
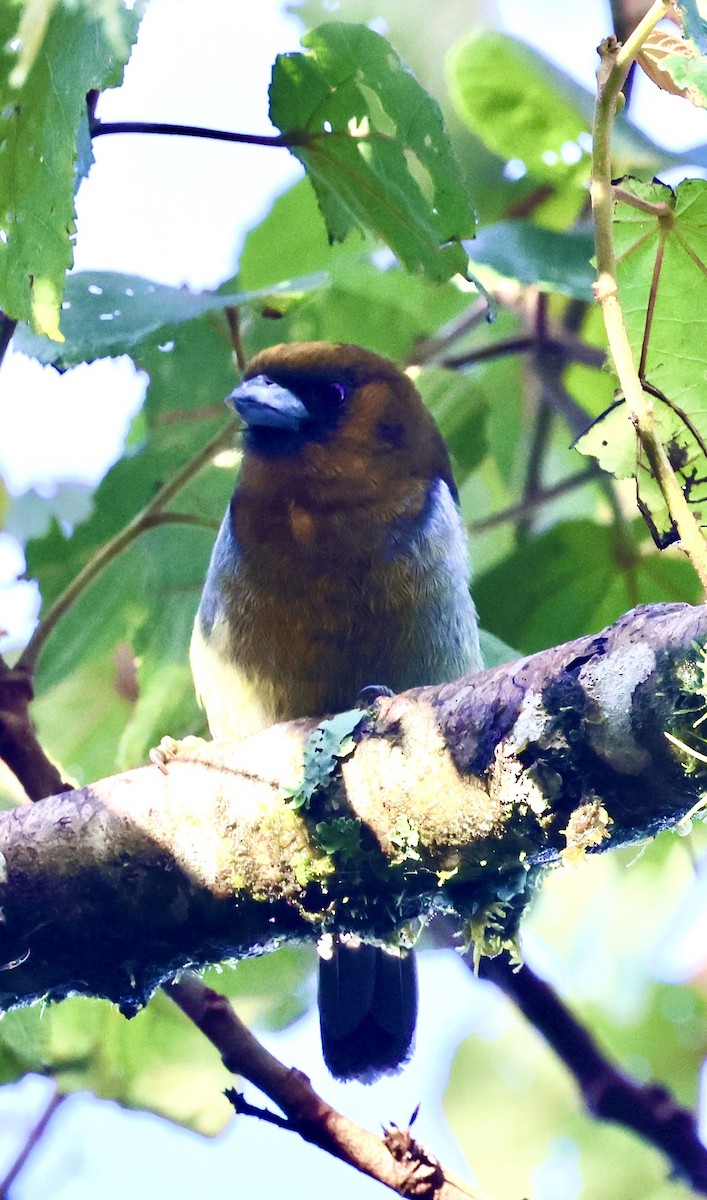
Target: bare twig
[(234, 328), (541, 497), (19, 746), (571, 350), (648, 1109), (395, 1159), (143, 520), (103, 128), (31, 1142)]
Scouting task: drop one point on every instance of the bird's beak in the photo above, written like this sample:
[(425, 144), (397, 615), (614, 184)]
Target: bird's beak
[(261, 402)]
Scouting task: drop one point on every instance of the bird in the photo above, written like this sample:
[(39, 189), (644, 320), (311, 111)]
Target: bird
[(341, 563)]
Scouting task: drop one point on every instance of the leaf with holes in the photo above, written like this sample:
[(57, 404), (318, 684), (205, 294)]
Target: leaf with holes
[(42, 112), (106, 313), (374, 146), (661, 250)]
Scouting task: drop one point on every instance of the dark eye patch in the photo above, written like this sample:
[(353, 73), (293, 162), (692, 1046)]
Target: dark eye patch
[(325, 399)]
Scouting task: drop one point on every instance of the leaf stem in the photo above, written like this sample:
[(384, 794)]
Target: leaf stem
[(658, 210), (615, 63), (147, 518), (102, 128)]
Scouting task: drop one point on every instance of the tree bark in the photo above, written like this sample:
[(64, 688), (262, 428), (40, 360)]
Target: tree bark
[(454, 798)]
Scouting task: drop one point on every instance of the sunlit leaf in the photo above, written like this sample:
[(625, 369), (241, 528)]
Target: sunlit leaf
[(43, 86), (374, 146), (536, 117), (675, 66), (105, 314), (662, 271)]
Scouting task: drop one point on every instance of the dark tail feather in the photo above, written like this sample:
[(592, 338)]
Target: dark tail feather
[(367, 1009)]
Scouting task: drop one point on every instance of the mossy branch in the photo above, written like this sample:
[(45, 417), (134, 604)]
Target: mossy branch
[(111, 889)]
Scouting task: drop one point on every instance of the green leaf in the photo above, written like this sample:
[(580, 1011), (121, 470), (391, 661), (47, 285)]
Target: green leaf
[(270, 991), (48, 62), (81, 720), (495, 652), (340, 836), (694, 23), (291, 241), (460, 408), (690, 75), (325, 746), (146, 598), (527, 110), (105, 314), (573, 580), (542, 258), (157, 1060), (374, 146), (661, 270)]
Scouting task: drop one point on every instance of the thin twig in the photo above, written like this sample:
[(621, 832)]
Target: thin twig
[(571, 351), (647, 1109), (431, 349), (542, 497), (233, 319), (31, 1142), (279, 140), (395, 1160), (117, 544), (19, 746)]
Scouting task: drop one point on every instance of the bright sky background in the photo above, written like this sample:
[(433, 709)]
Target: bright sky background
[(176, 210)]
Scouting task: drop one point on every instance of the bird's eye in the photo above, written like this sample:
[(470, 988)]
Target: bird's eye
[(339, 392)]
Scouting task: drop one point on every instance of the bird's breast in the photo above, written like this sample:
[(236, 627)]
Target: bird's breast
[(323, 606)]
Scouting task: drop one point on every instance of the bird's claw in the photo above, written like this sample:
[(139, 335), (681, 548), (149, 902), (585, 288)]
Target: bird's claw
[(370, 693), (171, 748)]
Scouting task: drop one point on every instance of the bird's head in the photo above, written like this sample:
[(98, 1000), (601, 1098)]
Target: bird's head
[(336, 416)]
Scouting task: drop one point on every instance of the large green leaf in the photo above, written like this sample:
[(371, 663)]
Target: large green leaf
[(576, 579), (105, 314), (374, 146), (42, 105), (662, 271), (291, 241), (533, 115), (146, 597), (544, 258)]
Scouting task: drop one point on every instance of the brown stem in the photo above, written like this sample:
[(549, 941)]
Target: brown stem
[(590, 475), (571, 351), (19, 746), (659, 209), (233, 319), (102, 128), (394, 1159), (648, 1109), (31, 1142)]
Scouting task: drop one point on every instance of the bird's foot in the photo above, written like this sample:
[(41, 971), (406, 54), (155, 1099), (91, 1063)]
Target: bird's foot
[(169, 749), (370, 693)]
